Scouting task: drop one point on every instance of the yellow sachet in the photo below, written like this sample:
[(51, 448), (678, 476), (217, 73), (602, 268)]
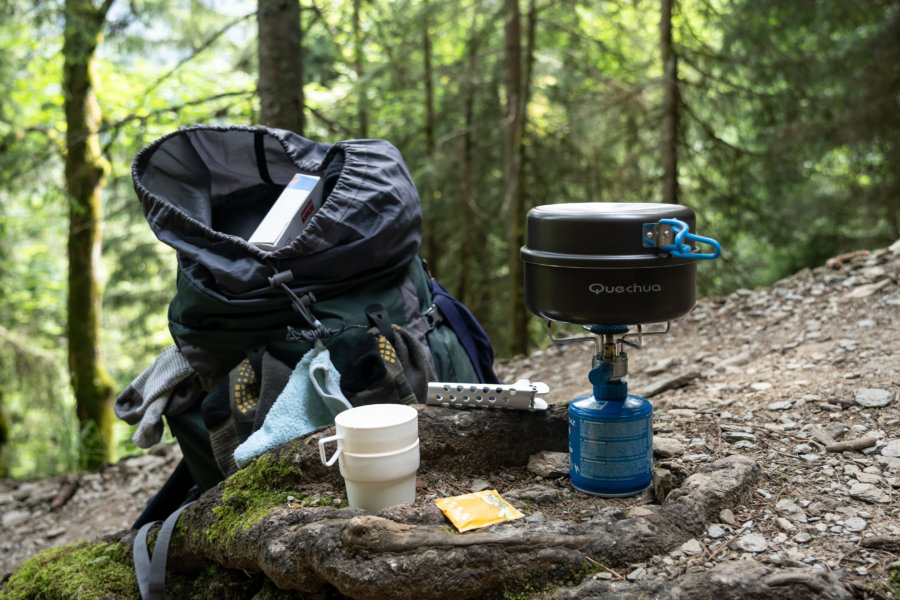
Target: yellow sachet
[(479, 509)]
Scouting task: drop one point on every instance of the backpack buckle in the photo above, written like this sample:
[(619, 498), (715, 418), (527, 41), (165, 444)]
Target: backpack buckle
[(431, 318)]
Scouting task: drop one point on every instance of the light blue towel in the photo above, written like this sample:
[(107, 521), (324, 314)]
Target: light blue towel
[(311, 398)]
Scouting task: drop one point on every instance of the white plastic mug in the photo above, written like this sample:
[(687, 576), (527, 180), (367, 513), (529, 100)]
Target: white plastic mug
[(372, 429), (376, 481), (378, 454)]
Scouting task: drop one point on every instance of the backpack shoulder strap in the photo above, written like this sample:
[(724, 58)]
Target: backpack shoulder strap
[(151, 572)]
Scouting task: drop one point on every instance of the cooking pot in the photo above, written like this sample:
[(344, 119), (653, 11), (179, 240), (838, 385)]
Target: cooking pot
[(612, 263)]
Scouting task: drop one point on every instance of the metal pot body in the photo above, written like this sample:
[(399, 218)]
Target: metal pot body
[(588, 263)]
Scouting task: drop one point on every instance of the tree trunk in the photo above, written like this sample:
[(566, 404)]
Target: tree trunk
[(280, 51), (517, 76), (4, 436), (467, 162), (85, 171), (359, 65), (405, 552), (429, 200), (670, 105)]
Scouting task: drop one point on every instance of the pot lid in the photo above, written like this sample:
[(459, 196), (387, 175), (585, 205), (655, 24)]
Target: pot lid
[(598, 228)]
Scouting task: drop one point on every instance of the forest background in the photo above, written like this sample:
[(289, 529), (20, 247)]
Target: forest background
[(776, 122)]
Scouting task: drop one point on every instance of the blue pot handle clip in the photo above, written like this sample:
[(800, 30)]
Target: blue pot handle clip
[(680, 249)]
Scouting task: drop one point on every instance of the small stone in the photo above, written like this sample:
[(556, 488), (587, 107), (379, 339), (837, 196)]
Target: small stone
[(868, 492), (14, 517), (663, 483), (736, 436), (802, 537), (715, 531), (786, 506), (785, 525), (691, 547), (641, 511), (867, 289), (835, 429), (696, 458), (549, 464), (727, 517), (873, 397), (810, 457), (55, 533), (780, 405), (855, 524), (637, 574), (664, 447), (760, 386), (869, 478), (892, 448), (751, 542), (478, 485)]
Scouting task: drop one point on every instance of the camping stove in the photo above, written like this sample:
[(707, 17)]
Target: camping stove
[(622, 271)]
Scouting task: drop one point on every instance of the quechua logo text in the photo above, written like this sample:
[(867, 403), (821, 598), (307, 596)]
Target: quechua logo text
[(631, 288)]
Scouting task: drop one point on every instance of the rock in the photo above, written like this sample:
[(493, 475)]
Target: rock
[(785, 525), (867, 289), (696, 458), (892, 448), (727, 516), (737, 436), (637, 574), (549, 464), (641, 511), (479, 484), (873, 397), (855, 524), (663, 482), (537, 494), (869, 478), (14, 517), (55, 533), (780, 405), (786, 506), (716, 531), (760, 386), (691, 547), (836, 430), (751, 542), (664, 447), (868, 492)]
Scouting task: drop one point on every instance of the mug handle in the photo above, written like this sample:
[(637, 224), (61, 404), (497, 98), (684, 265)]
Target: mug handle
[(322, 441)]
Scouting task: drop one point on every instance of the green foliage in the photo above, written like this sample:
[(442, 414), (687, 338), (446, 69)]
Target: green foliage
[(787, 145), (42, 428)]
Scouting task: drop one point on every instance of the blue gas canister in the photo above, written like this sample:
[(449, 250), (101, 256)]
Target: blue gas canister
[(610, 439)]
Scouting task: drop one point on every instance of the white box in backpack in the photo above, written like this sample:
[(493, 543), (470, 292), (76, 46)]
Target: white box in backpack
[(293, 209)]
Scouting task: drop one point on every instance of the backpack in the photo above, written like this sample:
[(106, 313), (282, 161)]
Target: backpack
[(353, 275)]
